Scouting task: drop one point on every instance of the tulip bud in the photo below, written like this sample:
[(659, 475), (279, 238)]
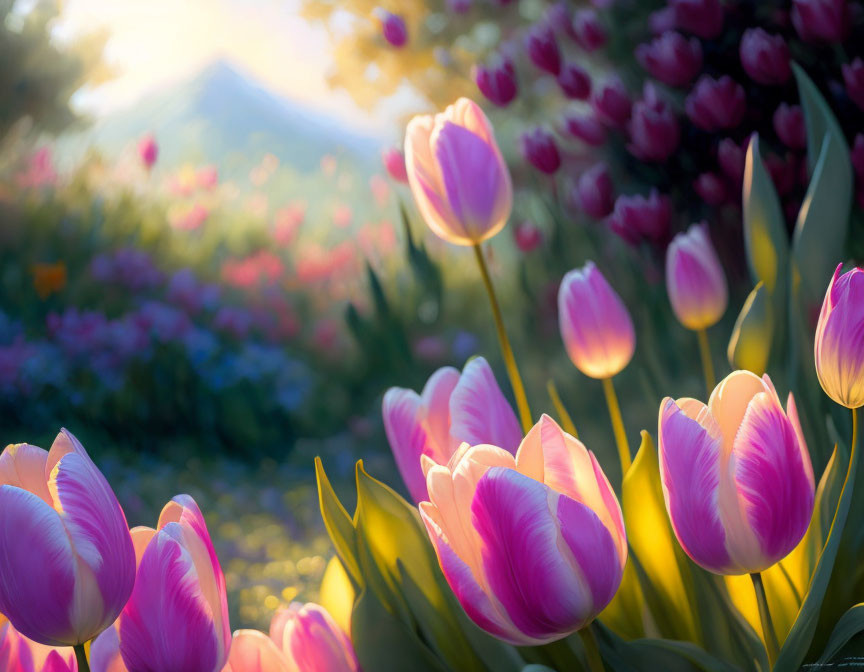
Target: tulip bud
[(528, 237), (452, 409), (595, 191), (497, 81), (736, 475), (533, 547), (148, 150), (311, 640), (457, 175), (703, 18), (731, 157), (253, 651), (671, 58), (393, 28), (394, 163), (653, 128), (636, 217), (716, 104), (574, 82), (765, 57), (539, 149), (177, 617), (711, 188), (853, 77), (611, 103), (587, 129), (67, 566), (542, 48), (821, 20), (587, 30), (19, 654), (839, 349), (595, 325), (695, 280), (789, 126)]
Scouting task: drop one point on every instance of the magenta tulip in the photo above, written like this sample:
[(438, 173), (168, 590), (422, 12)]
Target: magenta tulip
[(19, 654), (311, 640), (703, 18), (541, 151), (789, 126), (636, 217), (611, 103), (653, 128), (595, 326), (821, 20), (67, 566), (731, 156), (458, 177), (533, 547), (671, 58), (853, 77), (695, 280), (587, 129), (393, 28), (177, 617), (394, 162), (839, 349), (148, 151), (452, 409), (711, 188), (587, 30), (542, 48), (497, 81), (595, 191), (528, 236), (716, 104), (574, 82), (736, 475), (765, 57)]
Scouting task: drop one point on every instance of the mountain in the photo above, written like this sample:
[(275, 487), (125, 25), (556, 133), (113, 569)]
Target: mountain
[(222, 116)]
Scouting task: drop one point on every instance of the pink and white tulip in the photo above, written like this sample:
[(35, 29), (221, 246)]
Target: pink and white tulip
[(695, 280), (534, 546), (457, 174), (19, 654), (736, 475), (839, 350), (253, 651), (453, 408), (595, 325), (177, 617), (311, 640), (67, 566)]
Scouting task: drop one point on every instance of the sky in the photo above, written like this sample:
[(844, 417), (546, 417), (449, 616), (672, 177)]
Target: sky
[(153, 43)]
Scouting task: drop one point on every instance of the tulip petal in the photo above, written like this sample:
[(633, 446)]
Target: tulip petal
[(312, 641), (168, 624), (468, 114), (689, 472), (729, 400), (540, 588), (105, 652), (407, 437), (56, 662), (23, 466), (479, 412), (253, 651), (436, 400), (772, 480), (34, 543)]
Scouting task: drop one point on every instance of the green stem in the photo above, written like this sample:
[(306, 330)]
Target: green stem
[(563, 415), (81, 657), (707, 363), (768, 633), (506, 350), (617, 425), (592, 653)]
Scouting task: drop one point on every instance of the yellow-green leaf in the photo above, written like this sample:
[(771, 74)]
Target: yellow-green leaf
[(753, 334), (338, 524)]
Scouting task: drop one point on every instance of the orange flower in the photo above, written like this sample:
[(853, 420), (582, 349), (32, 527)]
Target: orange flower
[(49, 278)]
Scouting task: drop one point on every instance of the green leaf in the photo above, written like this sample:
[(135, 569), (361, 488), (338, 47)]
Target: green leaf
[(849, 625), (819, 118), (339, 525), (750, 344), (685, 651)]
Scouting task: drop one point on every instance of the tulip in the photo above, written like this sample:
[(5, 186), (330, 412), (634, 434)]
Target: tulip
[(543, 49), (731, 157), (595, 325), (394, 162), (611, 103), (662, 20), (653, 128), (452, 409), (541, 151), (839, 350), (587, 129), (528, 236), (177, 617), (703, 18), (736, 475), (765, 57), (789, 126), (457, 174), (19, 654), (853, 77), (821, 20), (105, 652), (587, 30), (711, 188), (574, 82), (67, 566), (595, 191), (497, 82), (716, 104), (148, 151), (393, 28), (636, 217), (542, 551), (253, 651), (671, 58), (311, 640), (695, 279)]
